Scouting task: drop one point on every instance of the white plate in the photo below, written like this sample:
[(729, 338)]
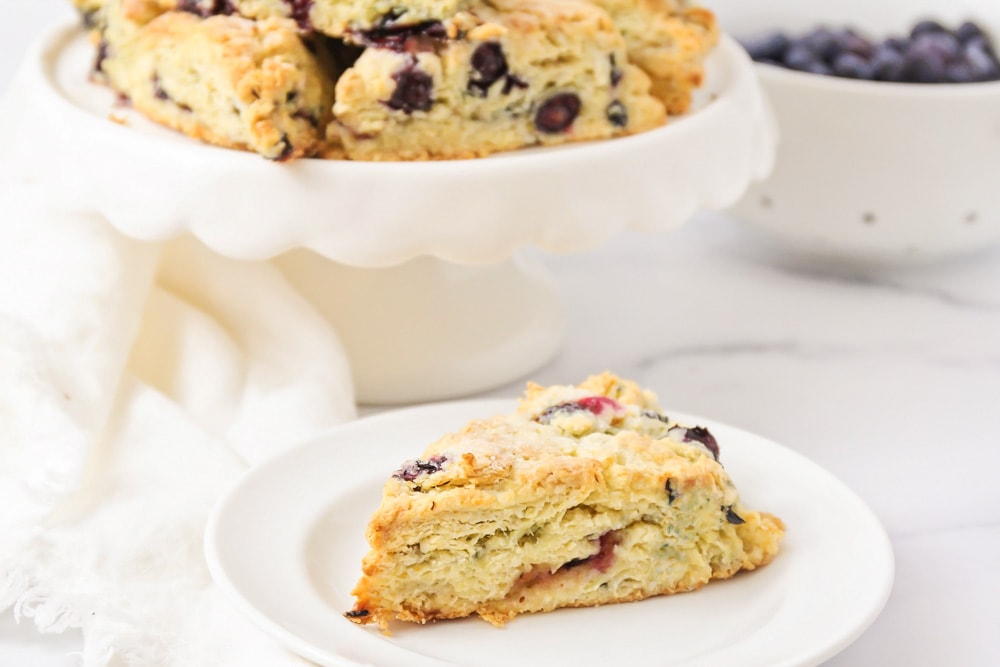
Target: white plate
[(286, 546)]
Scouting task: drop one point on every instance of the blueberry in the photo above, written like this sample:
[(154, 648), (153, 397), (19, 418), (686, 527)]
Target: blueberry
[(593, 404), (898, 44), (206, 8), (563, 408), (413, 469), (300, 12), (390, 17), (819, 68), (943, 45), (769, 47), (822, 42), (852, 66), (732, 517), (557, 113), (576, 562), (927, 28), (968, 31), (981, 44), (887, 64), (408, 38), (413, 90), (489, 61), (851, 42), (490, 64), (981, 60), (671, 492), (194, 7), (652, 414), (162, 94), (158, 91), (702, 435), (616, 114), (929, 54), (924, 66), (512, 81), (89, 17), (800, 57), (604, 557), (616, 72), (960, 71)]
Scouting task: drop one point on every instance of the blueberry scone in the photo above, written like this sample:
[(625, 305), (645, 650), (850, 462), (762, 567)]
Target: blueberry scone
[(510, 74), (431, 79), (669, 40), (587, 495), (226, 80)]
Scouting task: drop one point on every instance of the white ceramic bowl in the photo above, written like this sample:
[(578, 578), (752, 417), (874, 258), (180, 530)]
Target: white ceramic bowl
[(873, 171)]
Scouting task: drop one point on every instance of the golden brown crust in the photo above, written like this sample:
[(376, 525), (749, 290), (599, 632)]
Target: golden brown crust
[(669, 42), (552, 49), (628, 63), (225, 80), (588, 495)]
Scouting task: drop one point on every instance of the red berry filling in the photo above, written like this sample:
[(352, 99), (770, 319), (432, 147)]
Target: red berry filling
[(597, 405), (605, 556)]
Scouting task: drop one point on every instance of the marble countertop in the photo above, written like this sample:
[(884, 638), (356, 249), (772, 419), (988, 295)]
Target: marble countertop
[(888, 378)]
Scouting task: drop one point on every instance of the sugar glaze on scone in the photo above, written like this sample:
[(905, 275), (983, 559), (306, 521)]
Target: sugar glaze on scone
[(588, 495)]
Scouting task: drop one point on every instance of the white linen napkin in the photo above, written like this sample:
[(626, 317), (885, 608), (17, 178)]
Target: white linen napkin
[(137, 382)]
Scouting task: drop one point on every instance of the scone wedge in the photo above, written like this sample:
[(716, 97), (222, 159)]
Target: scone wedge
[(227, 80), (503, 76), (587, 495)]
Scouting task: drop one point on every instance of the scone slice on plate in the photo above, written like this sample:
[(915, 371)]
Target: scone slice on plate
[(588, 495), (226, 80), (510, 74)]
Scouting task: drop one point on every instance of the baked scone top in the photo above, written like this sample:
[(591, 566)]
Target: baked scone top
[(599, 427)]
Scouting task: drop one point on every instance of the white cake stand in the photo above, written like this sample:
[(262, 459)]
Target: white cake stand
[(414, 263)]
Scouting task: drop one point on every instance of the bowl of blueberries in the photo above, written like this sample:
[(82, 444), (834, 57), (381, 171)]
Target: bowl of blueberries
[(889, 114)]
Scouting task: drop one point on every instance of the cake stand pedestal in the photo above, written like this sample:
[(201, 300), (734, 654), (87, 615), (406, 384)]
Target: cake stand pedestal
[(429, 328), (415, 264)]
